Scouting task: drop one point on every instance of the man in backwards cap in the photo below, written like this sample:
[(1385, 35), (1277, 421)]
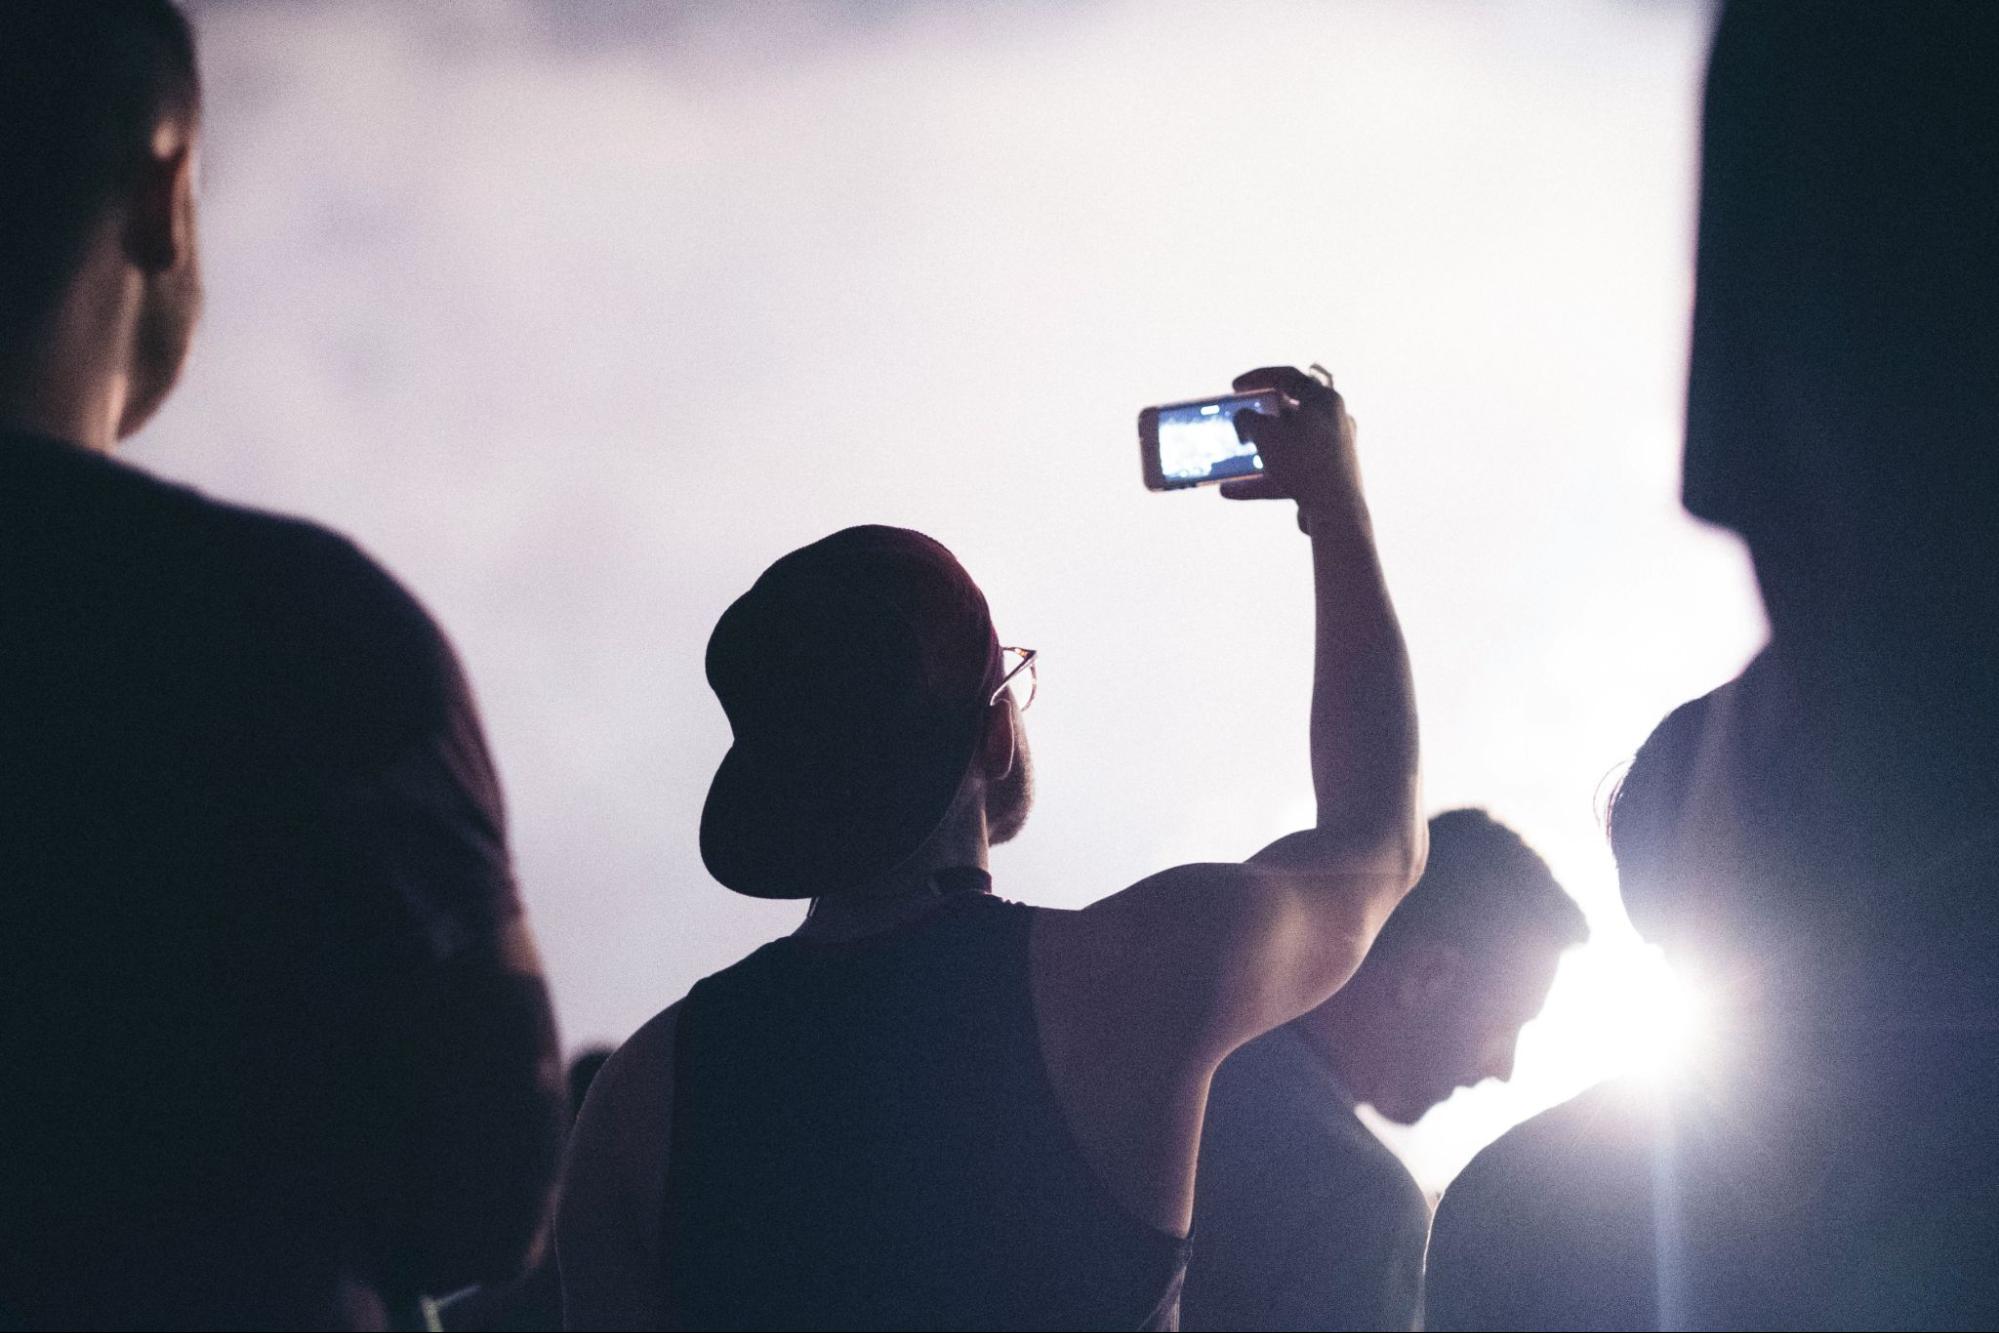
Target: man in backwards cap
[(930, 1107)]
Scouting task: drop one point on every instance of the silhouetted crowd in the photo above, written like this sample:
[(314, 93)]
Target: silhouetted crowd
[(278, 1048)]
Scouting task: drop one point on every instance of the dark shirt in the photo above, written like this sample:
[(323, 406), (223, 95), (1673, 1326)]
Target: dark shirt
[(1302, 1217), (1555, 1224), (531, 1303), (1830, 1161), (1848, 1181), (865, 1136), (252, 877)]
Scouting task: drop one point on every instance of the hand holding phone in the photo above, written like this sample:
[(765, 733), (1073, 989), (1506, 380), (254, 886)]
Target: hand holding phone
[(1283, 434), (1307, 450)]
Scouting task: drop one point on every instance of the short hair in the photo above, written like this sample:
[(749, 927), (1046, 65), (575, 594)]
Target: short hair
[(1484, 890), (82, 84), (1645, 811)]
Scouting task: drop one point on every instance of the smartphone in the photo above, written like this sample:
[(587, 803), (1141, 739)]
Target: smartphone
[(1195, 444)]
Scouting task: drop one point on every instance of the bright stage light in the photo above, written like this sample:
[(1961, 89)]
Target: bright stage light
[(1618, 1008), (1670, 1021)]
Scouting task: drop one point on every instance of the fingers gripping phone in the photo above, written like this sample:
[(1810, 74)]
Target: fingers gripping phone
[(1195, 443)]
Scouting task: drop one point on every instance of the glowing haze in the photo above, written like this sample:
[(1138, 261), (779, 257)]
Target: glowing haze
[(578, 315)]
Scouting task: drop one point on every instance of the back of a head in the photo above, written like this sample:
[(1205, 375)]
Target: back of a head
[(82, 84), (1484, 890), (1720, 863), (1644, 820), (1844, 383), (856, 673), (1873, 1137)]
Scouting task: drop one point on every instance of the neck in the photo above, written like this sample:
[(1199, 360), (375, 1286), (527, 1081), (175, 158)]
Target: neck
[(66, 378), (86, 422), (1338, 1033), (912, 890)]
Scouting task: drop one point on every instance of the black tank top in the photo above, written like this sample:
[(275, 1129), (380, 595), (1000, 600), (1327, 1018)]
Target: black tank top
[(864, 1136)]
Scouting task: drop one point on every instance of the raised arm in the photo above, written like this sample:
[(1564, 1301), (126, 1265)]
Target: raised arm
[(1363, 720), (1326, 891), (1232, 950), (1141, 995)]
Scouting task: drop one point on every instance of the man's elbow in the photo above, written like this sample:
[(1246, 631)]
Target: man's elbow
[(1392, 846), (485, 1139), (482, 1255)]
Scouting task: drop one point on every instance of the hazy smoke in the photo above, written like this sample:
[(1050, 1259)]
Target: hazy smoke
[(578, 314)]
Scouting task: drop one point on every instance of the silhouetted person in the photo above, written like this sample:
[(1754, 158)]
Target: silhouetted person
[(931, 1107), (1816, 838), (276, 1047), (1302, 1217)]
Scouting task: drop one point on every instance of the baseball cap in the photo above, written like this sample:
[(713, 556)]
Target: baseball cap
[(855, 673)]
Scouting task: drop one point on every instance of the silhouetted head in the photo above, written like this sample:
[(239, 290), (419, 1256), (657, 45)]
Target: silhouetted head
[(1730, 858), (1465, 961), (99, 108), (1647, 829), (862, 679), (1843, 400)]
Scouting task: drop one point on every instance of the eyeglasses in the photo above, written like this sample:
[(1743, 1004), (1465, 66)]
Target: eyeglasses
[(1021, 676)]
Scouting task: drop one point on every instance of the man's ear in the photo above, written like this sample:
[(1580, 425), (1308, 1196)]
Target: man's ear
[(159, 227), (1000, 749), (1429, 973)]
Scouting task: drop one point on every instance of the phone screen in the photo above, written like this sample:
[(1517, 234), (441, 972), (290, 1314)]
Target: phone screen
[(1197, 443)]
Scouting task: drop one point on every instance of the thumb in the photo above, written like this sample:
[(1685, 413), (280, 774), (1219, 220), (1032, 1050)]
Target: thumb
[(1252, 488), (1249, 425)]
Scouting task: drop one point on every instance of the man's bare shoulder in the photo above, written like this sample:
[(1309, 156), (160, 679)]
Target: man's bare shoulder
[(607, 1223), (639, 1075), (1165, 893), (654, 1037), (1176, 919), (1129, 972)]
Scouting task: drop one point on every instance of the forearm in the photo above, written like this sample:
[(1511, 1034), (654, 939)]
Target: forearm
[(1294, 927)]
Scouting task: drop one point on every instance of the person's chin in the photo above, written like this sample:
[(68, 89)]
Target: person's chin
[(1407, 1111)]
